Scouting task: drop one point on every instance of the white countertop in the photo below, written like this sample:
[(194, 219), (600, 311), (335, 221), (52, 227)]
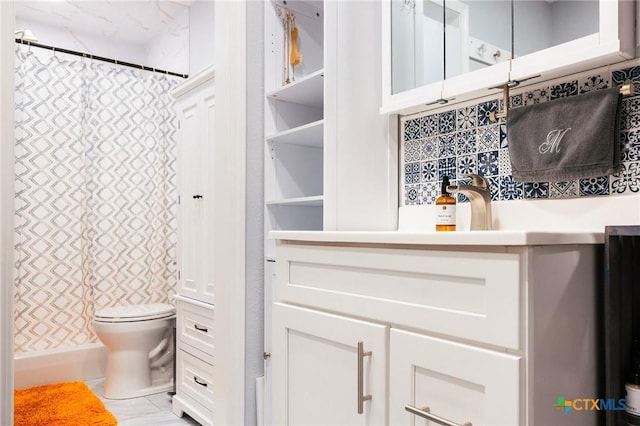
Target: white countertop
[(456, 238)]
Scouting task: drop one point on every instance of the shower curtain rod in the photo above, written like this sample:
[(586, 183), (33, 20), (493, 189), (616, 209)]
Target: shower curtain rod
[(99, 58)]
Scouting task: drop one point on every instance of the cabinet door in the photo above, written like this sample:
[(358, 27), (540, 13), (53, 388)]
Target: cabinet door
[(195, 112), (316, 369), (461, 383)]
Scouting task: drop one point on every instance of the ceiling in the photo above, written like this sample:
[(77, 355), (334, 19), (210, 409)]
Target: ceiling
[(137, 21)]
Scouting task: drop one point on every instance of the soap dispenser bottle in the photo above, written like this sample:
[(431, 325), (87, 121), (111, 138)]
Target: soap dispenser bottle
[(445, 209)]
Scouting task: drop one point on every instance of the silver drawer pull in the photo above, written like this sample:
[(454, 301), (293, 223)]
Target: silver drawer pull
[(197, 327), (195, 379), (361, 396), (424, 413)]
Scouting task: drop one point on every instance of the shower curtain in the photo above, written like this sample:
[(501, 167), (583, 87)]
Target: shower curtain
[(95, 194)]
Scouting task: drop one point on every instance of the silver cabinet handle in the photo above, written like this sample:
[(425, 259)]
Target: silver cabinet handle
[(361, 396), (424, 413)]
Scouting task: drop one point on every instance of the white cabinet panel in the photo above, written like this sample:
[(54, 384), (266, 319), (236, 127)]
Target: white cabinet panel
[(457, 382), (196, 202), (315, 368), (468, 294), (194, 388), (195, 326)]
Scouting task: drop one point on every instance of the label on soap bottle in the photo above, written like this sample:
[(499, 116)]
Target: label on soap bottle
[(446, 214)]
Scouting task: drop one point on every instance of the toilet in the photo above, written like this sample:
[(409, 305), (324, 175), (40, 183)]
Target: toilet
[(140, 349)]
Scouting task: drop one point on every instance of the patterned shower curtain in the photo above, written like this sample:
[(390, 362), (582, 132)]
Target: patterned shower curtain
[(95, 194)]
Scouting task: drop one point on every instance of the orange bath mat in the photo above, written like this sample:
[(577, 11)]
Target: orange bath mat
[(60, 404)]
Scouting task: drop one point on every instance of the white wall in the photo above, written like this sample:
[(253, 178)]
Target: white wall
[(201, 35), (7, 264), (168, 52), (360, 157), (254, 305)]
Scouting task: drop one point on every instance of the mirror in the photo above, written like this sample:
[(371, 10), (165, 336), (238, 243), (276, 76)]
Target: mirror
[(434, 40)]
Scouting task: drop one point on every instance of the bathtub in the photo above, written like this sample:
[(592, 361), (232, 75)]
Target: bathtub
[(83, 362)]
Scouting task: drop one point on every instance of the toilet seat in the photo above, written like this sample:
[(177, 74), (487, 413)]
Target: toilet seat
[(131, 313)]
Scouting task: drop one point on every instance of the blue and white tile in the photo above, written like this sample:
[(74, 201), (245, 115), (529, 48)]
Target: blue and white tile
[(447, 122), (536, 190), (563, 90), (626, 75), (467, 164), (466, 142), (430, 191), (504, 162), (510, 189), (430, 148), (566, 189), (447, 167), (494, 186), (467, 118), (411, 129), (411, 151), (429, 171), (488, 163), (488, 138), (484, 111), (594, 186), (411, 173), (412, 194), (627, 180), (504, 142), (447, 146), (537, 96), (630, 145), (515, 101), (592, 83), (428, 126), (630, 113)]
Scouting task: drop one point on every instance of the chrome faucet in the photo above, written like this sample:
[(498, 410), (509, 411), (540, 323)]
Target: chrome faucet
[(479, 194)]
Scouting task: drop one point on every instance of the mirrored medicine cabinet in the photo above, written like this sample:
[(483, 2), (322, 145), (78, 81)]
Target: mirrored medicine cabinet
[(436, 50)]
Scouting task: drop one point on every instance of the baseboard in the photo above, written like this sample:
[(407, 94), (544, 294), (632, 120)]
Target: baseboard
[(84, 362)]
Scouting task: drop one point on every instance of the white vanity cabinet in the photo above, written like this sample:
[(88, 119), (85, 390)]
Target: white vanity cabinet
[(458, 382), (329, 381), (491, 334), (195, 103), (550, 39)]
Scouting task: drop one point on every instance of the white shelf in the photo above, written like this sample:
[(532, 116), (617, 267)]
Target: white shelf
[(314, 201), (305, 91), (309, 135)]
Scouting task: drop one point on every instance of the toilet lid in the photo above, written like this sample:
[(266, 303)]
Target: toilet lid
[(126, 313)]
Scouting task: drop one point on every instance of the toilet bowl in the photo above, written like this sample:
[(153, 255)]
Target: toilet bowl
[(140, 349)]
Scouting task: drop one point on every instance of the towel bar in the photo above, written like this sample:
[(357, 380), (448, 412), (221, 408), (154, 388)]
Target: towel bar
[(626, 89)]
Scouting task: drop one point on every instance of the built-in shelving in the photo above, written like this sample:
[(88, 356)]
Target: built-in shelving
[(311, 134), (305, 91), (313, 201), (294, 120)]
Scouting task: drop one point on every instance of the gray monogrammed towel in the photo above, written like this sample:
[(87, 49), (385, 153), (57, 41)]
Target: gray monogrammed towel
[(565, 139)]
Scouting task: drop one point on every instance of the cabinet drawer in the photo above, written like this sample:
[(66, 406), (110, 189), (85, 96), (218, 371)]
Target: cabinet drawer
[(194, 379), (457, 382), (195, 325), (469, 294)]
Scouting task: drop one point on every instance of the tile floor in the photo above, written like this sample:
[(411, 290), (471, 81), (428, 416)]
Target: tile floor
[(144, 411)]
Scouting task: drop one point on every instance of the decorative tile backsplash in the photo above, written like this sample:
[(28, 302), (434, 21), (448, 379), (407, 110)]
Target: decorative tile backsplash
[(464, 140)]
